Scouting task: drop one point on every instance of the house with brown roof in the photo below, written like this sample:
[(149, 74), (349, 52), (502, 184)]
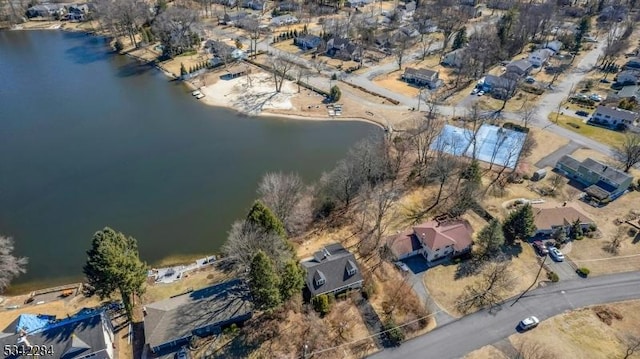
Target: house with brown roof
[(434, 240), (549, 220)]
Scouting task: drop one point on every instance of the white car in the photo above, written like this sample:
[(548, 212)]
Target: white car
[(475, 91), (480, 93), (596, 97), (196, 93), (403, 267), (528, 323), (556, 254)]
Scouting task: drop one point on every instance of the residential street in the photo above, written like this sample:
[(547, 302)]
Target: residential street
[(474, 331)]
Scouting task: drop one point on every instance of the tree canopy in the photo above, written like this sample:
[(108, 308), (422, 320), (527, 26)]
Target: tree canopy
[(490, 238), (291, 280), (264, 282), (519, 224), (113, 264), (261, 216), (10, 265)]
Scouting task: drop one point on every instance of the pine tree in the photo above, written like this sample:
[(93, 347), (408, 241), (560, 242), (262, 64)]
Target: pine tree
[(472, 173), (264, 282), (305, 30), (576, 229), (321, 304), (262, 216), (519, 224), (292, 279), (295, 33), (460, 39), (490, 239), (113, 264), (183, 70), (335, 93)]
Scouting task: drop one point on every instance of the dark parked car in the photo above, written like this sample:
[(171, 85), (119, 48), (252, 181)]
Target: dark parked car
[(582, 113), (541, 248)]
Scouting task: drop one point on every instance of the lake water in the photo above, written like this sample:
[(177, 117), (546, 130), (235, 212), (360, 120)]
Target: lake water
[(89, 139)]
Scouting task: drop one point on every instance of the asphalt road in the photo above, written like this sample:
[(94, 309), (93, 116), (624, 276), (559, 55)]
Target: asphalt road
[(474, 331)]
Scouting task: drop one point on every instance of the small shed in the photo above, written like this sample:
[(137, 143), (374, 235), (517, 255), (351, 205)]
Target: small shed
[(539, 174)]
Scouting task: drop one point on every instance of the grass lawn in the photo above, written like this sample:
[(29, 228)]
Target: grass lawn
[(599, 134)]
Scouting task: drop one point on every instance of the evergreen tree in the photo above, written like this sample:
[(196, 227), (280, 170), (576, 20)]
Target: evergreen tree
[(576, 229), (264, 282), (490, 238), (460, 39), (305, 30), (113, 264), (321, 304), (295, 33), (262, 216), (183, 70), (335, 93), (519, 224), (472, 173), (292, 279), (583, 29)]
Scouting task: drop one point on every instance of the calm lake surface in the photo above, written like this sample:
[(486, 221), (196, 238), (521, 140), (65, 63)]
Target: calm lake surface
[(89, 139)]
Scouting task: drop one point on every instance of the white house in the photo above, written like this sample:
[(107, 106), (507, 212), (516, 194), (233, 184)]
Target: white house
[(539, 57), (613, 116)]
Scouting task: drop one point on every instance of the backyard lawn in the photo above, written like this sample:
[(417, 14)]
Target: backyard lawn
[(609, 137)]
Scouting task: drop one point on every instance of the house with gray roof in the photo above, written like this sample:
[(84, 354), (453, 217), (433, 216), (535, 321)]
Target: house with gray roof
[(308, 41), (332, 270), (629, 92), (614, 117), (498, 85), (422, 77), (628, 77), (603, 182), (88, 334), (520, 68), (170, 323), (453, 58), (46, 10), (344, 49), (282, 20), (540, 57)]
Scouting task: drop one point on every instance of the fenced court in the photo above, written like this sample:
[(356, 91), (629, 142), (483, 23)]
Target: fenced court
[(493, 144)]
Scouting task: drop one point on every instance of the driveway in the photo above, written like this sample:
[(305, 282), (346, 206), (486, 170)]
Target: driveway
[(417, 268), (485, 327), (551, 159), (563, 269)]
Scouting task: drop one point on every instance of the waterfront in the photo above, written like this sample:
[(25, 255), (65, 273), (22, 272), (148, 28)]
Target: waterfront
[(89, 139)]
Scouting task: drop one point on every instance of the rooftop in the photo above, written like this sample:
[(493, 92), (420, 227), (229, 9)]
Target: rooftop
[(612, 174), (436, 235), (615, 112), (422, 73), (547, 218), (332, 263), (523, 65), (75, 337), (180, 316), (403, 243)]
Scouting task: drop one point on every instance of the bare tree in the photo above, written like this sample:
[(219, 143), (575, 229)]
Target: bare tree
[(281, 64), (10, 265), (450, 19), (400, 46), (613, 246), (628, 152), (527, 112), (319, 64), (377, 204), (632, 346), (286, 195), (489, 289), (425, 45), (430, 99), (419, 137), (245, 239), (176, 29), (122, 17)]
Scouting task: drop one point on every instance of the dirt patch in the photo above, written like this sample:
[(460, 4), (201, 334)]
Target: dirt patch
[(607, 314), (487, 352)]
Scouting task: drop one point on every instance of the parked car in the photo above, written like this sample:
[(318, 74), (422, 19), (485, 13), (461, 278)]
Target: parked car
[(475, 91), (582, 113), (541, 248), (480, 93), (528, 323), (555, 254), (402, 266), (595, 97), (529, 80)]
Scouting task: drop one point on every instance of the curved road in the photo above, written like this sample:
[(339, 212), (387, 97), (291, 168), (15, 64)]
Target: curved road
[(474, 331)]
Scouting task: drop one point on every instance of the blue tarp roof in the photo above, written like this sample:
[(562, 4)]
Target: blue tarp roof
[(32, 323)]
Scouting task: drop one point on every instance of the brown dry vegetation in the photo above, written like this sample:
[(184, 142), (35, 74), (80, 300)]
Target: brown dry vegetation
[(583, 334), (195, 280), (446, 287)]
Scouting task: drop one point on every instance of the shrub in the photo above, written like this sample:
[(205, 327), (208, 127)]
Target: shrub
[(525, 177), (394, 333), (321, 304), (118, 46), (593, 227), (335, 94), (553, 276), (583, 271)]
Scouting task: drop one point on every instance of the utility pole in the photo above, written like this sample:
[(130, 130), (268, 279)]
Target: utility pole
[(304, 351), (532, 284)]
